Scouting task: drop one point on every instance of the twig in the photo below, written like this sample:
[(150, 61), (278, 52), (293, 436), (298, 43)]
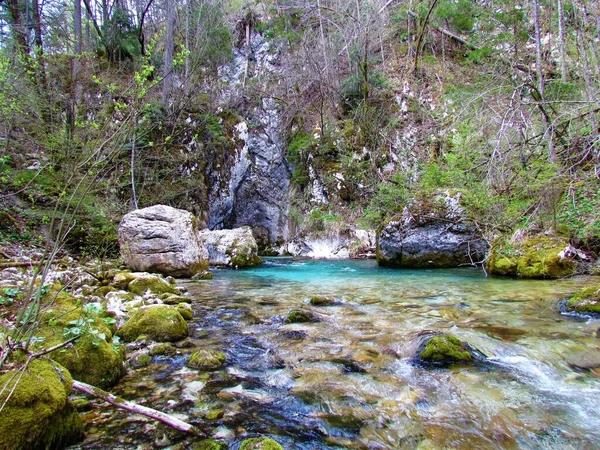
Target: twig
[(167, 419)]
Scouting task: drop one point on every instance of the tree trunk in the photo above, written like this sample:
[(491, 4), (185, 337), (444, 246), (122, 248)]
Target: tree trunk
[(561, 40), (168, 61), (75, 69), (421, 37), (19, 29)]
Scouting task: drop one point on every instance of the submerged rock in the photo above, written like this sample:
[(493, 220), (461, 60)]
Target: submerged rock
[(206, 360), (161, 323), (585, 301), (321, 300), (530, 257), (232, 248), (260, 443), (38, 414), (432, 232), (586, 360), (300, 316), (445, 349), (162, 239)]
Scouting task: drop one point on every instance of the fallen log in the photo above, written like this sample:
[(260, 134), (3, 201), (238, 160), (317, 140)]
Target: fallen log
[(7, 264), (167, 419)]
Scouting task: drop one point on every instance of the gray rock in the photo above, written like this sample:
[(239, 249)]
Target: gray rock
[(162, 239), (233, 248), (431, 232)]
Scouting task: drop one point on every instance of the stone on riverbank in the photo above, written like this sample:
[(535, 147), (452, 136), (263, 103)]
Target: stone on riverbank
[(155, 284), (231, 248), (38, 413), (161, 323), (162, 239), (530, 257)]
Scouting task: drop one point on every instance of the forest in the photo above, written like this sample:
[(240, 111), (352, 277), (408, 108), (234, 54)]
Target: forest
[(330, 128)]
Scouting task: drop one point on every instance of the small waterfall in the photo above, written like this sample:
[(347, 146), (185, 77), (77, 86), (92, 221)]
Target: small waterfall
[(326, 248)]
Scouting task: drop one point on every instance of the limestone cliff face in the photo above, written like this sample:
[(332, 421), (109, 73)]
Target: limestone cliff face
[(252, 186)]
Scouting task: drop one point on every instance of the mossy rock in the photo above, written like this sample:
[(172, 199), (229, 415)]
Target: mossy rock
[(532, 257), (214, 414), (585, 301), (103, 290), (164, 348), (321, 300), (122, 279), (155, 284), (161, 323), (209, 444), (206, 360), (260, 443), (445, 349), (300, 316), (38, 414), (142, 360), (204, 275), (171, 299), (185, 310), (93, 358)]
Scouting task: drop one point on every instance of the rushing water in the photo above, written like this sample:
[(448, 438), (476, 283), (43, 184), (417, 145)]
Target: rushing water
[(348, 381)]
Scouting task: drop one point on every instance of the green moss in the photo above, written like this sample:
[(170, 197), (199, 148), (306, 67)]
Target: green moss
[(38, 414), (172, 299), (299, 316), (156, 284), (206, 360), (161, 323), (162, 349), (122, 279), (260, 443), (445, 349), (142, 360), (103, 290), (586, 300), (214, 414), (209, 444), (534, 257)]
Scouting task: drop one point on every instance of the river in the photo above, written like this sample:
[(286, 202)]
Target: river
[(349, 380)]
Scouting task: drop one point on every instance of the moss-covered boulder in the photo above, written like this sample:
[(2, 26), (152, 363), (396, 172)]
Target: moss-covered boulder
[(300, 316), (122, 279), (445, 349), (209, 444), (155, 284), (206, 360), (585, 301), (94, 357), (161, 323), (232, 248), (530, 257), (260, 443), (38, 414), (185, 309)]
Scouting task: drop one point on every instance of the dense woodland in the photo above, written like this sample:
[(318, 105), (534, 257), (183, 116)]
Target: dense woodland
[(106, 106)]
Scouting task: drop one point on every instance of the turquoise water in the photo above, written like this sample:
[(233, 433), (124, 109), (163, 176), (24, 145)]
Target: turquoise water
[(349, 380)]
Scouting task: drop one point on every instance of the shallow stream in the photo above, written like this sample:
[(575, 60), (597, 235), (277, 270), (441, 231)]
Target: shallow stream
[(348, 381)]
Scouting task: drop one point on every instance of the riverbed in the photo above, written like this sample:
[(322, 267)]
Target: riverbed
[(349, 380)]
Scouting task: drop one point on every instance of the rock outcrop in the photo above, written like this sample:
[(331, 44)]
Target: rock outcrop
[(162, 239), (232, 248), (431, 232), (531, 257)]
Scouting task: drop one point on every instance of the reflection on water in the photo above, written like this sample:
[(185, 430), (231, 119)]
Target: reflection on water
[(347, 381)]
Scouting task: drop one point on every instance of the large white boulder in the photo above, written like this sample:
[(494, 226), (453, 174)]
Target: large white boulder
[(232, 248), (162, 239)]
